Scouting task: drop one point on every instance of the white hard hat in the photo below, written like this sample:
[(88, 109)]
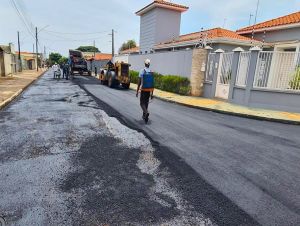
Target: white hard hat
[(147, 61)]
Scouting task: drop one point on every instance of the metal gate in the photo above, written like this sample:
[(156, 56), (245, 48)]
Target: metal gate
[(224, 75)]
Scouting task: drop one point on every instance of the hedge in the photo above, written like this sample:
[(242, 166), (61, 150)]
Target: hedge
[(169, 83)]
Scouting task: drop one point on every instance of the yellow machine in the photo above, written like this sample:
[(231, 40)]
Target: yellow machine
[(115, 74)]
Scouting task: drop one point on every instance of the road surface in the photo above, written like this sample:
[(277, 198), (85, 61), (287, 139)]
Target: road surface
[(78, 153), (255, 164)]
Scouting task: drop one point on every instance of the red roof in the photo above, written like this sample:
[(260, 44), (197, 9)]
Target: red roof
[(214, 33), (162, 4), (293, 18), (101, 56), (132, 50)]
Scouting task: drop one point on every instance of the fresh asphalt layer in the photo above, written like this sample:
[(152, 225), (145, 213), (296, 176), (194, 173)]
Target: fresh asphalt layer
[(236, 171), (65, 161)]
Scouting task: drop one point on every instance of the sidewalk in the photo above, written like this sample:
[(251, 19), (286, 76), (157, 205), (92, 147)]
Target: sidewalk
[(227, 108), (11, 87)]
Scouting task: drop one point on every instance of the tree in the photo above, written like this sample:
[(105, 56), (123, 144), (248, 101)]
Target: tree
[(88, 49), (128, 45), (54, 58), (62, 60)]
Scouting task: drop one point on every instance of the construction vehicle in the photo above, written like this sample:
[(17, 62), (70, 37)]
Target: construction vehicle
[(115, 74), (77, 63)]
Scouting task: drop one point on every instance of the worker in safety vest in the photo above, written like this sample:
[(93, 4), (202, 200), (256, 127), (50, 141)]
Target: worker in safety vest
[(146, 87)]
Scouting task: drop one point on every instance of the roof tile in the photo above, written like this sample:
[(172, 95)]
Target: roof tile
[(211, 34), (284, 20)]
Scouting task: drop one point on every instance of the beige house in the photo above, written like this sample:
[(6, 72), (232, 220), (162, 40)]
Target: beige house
[(8, 60), (28, 60)]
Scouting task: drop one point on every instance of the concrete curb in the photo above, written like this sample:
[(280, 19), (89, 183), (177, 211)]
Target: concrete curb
[(19, 92), (256, 117)]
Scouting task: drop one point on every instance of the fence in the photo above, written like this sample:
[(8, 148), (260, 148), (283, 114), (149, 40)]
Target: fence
[(243, 69), (278, 71), (268, 79)]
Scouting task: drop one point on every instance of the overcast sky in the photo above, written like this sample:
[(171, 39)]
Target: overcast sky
[(98, 17)]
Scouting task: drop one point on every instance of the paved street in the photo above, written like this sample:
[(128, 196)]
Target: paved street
[(255, 164), (72, 153)]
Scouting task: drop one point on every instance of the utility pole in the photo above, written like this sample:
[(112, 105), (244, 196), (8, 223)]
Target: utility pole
[(19, 49), (94, 48), (253, 30), (45, 56), (93, 58), (113, 42), (36, 45)]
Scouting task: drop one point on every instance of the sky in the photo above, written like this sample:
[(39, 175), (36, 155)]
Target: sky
[(68, 24)]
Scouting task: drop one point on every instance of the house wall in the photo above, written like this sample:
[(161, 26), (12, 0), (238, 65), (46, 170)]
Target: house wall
[(121, 58), (147, 30), (168, 25), (158, 25), (166, 63), (2, 69), (7, 64), (284, 35)]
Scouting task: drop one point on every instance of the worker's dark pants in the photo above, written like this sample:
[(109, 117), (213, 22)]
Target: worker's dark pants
[(67, 75), (144, 100)]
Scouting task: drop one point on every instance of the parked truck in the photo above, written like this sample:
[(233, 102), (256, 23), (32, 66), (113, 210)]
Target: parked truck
[(77, 63), (115, 74)]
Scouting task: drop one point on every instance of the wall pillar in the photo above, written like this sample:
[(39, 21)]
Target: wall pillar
[(219, 53), (198, 71), (234, 70), (251, 73)]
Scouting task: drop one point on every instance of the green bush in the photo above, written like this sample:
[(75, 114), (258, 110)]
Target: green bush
[(169, 83), (134, 76), (295, 82)]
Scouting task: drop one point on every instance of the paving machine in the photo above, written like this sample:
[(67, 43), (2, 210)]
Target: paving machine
[(115, 74)]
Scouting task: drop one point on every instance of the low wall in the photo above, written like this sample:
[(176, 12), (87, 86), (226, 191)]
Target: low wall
[(268, 99), (282, 101), (239, 96), (207, 90), (166, 63)]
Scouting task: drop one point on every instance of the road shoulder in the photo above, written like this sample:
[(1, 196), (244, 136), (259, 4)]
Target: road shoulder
[(12, 87)]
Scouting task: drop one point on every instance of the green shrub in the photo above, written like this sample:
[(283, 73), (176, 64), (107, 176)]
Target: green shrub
[(169, 83), (134, 76), (295, 82)]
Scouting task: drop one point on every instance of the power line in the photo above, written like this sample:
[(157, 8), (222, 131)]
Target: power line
[(79, 33), (21, 17)]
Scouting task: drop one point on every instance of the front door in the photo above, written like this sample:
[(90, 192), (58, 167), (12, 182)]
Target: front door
[(224, 76)]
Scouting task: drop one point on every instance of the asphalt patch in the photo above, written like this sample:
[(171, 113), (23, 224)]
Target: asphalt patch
[(114, 190)]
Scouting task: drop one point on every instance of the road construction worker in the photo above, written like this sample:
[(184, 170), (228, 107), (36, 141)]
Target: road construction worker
[(146, 86), (66, 71), (55, 69), (110, 65)]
